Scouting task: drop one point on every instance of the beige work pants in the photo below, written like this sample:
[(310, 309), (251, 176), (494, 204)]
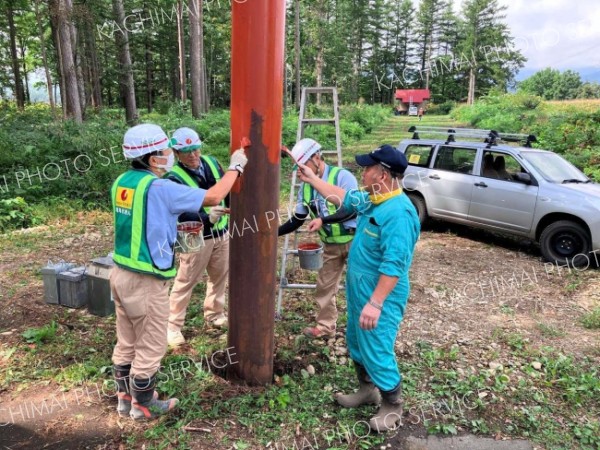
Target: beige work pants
[(214, 258), (142, 307), (328, 281)]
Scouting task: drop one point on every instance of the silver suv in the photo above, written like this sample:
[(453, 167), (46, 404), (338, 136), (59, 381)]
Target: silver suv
[(516, 190)]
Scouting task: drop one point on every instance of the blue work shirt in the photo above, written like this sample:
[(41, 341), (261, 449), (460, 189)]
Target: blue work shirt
[(166, 201), (386, 235)]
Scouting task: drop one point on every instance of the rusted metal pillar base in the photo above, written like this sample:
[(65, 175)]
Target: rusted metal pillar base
[(256, 113)]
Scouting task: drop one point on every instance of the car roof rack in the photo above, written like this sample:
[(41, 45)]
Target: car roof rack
[(490, 137)]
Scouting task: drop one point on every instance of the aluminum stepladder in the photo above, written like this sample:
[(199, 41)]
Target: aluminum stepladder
[(303, 122)]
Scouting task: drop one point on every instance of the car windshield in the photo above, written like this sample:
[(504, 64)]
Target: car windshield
[(554, 168)]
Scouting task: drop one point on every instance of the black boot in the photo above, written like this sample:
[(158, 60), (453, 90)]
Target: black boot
[(366, 394), (121, 374), (390, 411), (145, 403)]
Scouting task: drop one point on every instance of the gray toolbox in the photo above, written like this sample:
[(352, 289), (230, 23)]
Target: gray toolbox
[(50, 279), (100, 301), (72, 286)]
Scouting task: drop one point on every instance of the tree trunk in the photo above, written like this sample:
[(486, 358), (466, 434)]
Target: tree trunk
[(68, 63), (27, 95), (19, 97), (76, 56), (148, 56), (472, 82), (175, 84), (149, 76), (196, 58), (357, 61), (319, 70), (428, 69), (44, 57), (127, 85), (86, 68), (92, 57), (109, 98), (181, 43), (53, 8), (297, 52), (320, 60), (203, 77)]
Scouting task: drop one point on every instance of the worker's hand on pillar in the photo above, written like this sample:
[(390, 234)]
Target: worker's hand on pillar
[(238, 160), (315, 224), (216, 212)]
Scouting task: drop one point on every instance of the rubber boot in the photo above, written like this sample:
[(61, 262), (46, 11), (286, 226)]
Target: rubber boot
[(390, 411), (367, 392), (121, 374), (145, 404)]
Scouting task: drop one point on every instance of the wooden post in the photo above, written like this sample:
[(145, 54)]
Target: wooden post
[(257, 64)]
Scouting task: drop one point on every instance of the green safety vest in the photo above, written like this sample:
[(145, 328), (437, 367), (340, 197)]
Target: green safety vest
[(338, 233), (178, 172), (129, 194)]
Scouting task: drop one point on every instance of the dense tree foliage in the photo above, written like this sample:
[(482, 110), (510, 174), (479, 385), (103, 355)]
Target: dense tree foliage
[(146, 53), (551, 84)]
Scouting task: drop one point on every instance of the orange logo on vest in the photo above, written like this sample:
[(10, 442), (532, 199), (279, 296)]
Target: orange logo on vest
[(124, 197)]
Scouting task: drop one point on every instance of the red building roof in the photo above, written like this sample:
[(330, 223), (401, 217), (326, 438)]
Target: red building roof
[(418, 95)]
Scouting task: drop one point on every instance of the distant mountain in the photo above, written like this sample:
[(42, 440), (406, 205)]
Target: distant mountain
[(591, 74)]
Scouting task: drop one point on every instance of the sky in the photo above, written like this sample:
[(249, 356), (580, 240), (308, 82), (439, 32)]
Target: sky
[(562, 34)]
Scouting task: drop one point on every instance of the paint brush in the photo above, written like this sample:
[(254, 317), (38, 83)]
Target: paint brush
[(286, 151)]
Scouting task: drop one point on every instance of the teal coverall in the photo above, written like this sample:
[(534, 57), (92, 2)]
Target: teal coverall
[(385, 239)]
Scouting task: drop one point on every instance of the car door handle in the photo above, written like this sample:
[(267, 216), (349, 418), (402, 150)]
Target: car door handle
[(481, 184), (434, 177)]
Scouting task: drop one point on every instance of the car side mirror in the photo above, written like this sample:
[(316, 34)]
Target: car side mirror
[(523, 177)]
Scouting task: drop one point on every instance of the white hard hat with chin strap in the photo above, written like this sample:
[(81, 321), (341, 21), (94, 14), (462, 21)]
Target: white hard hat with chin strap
[(305, 149), (143, 139), (186, 140)]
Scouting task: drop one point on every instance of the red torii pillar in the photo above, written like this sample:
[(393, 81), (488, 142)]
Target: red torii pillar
[(257, 64)]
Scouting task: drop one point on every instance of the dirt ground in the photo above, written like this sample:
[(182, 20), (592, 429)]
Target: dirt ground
[(467, 287)]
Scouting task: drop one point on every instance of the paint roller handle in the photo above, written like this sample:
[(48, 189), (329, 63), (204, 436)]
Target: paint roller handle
[(286, 151), (245, 143)]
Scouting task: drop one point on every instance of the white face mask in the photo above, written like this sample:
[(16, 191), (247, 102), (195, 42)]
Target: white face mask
[(169, 164)]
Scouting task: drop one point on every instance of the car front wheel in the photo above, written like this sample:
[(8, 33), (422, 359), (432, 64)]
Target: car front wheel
[(419, 204), (565, 243)]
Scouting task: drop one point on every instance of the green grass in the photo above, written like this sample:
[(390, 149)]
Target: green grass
[(550, 331), (591, 320), (444, 389)]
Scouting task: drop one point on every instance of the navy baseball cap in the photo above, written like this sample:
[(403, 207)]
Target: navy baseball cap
[(389, 157)]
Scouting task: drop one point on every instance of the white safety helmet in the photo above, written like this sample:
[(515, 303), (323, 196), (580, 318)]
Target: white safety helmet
[(143, 139), (304, 149), (185, 140)]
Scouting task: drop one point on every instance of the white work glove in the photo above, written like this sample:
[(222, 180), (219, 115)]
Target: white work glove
[(216, 212), (238, 160)]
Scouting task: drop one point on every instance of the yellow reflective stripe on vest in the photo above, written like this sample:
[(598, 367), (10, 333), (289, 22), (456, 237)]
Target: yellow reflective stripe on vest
[(339, 234), (184, 176), (137, 221), (213, 168), (223, 221), (133, 262), (336, 228)]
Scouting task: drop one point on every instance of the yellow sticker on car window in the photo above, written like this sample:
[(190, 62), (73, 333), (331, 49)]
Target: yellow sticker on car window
[(124, 197), (414, 158)]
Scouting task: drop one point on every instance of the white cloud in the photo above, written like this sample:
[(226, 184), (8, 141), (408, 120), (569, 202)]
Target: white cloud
[(562, 34)]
